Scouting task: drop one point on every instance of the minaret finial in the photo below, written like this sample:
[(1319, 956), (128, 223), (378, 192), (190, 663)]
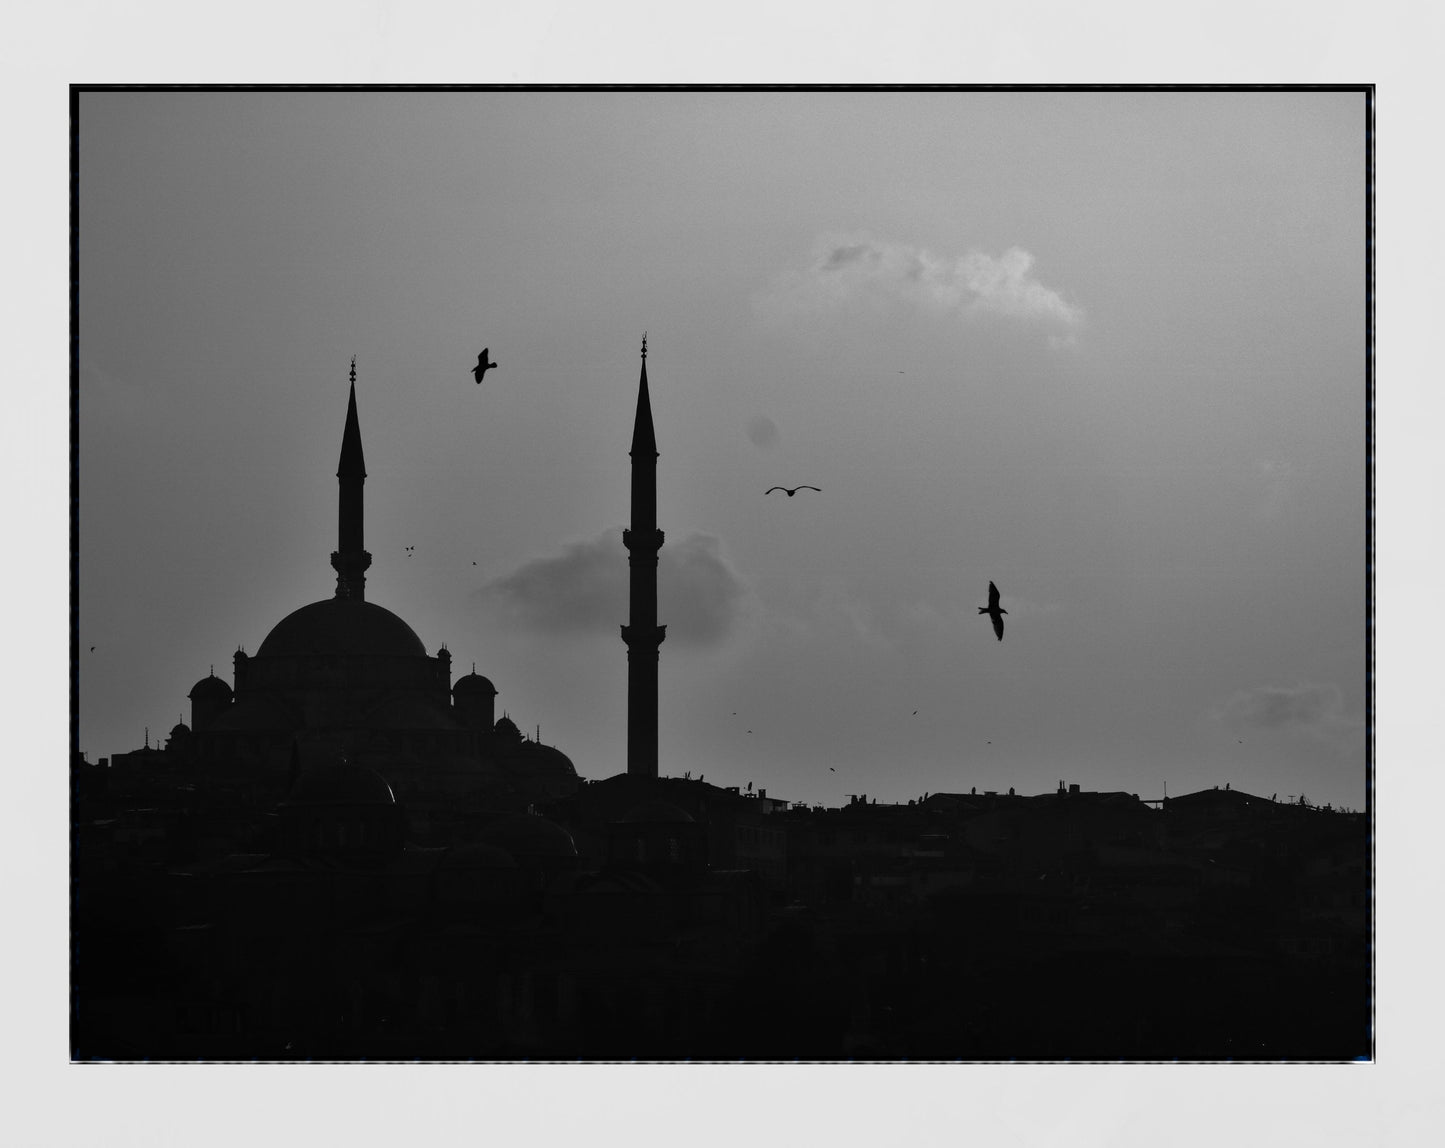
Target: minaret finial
[(644, 344), (353, 370)]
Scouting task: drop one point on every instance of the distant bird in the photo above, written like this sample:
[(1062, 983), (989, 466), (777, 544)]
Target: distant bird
[(473, 563), (832, 770), (791, 492), (994, 611), (92, 649), (482, 366)]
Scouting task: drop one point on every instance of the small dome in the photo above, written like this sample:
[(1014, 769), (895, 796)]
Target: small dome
[(507, 728), (525, 835), (342, 626), (473, 683), (180, 729), (540, 758), (655, 813), (340, 784), (210, 687)]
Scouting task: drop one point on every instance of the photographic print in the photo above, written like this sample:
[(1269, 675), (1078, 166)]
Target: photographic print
[(716, 574)]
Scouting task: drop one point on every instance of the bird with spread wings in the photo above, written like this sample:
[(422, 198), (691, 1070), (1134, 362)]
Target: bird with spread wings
[(792, 491), (994, 611), (482, 366)]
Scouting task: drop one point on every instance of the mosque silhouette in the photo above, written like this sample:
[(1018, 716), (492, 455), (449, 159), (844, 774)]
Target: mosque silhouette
[(344, 682)]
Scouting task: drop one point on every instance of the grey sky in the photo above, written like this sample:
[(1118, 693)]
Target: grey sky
[(1105, 350)]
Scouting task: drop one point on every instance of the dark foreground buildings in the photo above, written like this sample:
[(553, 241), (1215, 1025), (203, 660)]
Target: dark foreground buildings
[(347, 856)]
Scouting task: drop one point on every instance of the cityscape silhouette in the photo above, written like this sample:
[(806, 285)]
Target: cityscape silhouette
[(344, 856)]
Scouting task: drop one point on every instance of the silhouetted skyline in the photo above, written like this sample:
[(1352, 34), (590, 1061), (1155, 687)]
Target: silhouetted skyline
[(1091, 345)]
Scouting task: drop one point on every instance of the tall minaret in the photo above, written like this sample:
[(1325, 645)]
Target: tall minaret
[(350, 558), (642, 634)]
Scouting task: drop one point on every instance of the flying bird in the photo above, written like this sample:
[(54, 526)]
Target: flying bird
[(791, 492), (92, 649), (994, 611), (483, 366)]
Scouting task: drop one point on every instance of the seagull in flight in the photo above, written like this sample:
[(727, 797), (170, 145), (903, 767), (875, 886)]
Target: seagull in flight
[(791, 492), (482, 366), (994, 611)]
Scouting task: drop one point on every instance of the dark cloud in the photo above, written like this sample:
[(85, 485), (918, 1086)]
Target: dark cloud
[(1317, 710), (584, 590), (846, 253), (698, 595), (762, 431)]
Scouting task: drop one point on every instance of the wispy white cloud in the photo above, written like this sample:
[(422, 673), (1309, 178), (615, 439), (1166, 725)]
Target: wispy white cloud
[(585, 587), (859, 269)]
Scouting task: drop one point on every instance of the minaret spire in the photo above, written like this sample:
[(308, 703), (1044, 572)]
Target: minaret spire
[(642, 634), (350, 558)]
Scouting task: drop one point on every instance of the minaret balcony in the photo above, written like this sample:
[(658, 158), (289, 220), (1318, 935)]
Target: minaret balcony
[(656, 545), (636, 636)]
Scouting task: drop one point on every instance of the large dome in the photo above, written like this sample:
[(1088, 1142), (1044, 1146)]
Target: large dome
[(525, 835), (342, 626), (339, 783)]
